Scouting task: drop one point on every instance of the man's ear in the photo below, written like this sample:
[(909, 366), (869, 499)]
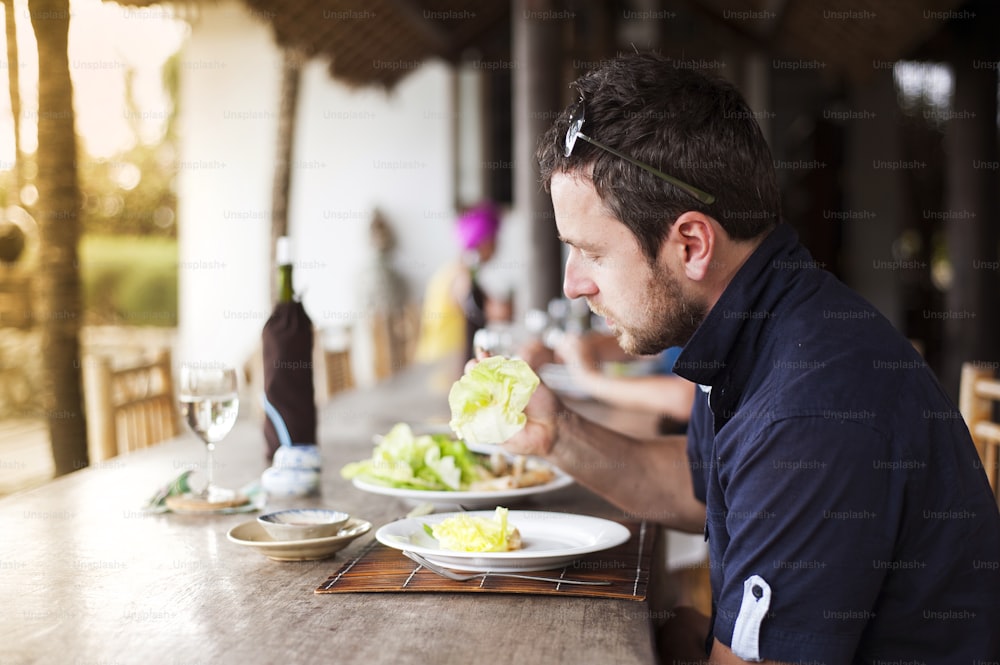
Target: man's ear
[(693, 238)]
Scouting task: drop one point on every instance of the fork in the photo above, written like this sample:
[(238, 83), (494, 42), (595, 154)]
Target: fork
[(459, 577)]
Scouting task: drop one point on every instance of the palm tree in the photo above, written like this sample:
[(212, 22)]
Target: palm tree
[(15, 92), (58, 216)]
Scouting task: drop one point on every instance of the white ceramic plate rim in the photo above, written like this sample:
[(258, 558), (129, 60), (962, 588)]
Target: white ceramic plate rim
[(465, 497), (597, 534)]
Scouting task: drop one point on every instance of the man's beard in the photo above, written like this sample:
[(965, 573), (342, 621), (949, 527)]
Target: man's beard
[(667, 318)]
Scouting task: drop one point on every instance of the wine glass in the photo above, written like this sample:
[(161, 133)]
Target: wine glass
[(209, 405)]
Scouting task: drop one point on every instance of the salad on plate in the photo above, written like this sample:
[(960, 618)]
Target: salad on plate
[(439, 462)]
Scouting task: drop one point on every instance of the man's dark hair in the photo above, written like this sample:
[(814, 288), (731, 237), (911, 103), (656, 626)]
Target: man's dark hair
[(691, 126)]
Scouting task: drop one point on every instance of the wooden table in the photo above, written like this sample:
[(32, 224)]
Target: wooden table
[(85, 576)]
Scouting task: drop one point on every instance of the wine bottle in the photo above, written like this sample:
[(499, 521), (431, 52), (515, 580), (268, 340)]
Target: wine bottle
[(283, 259), (287, 338)]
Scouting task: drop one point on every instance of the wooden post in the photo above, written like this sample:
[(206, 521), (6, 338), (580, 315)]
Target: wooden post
[(972, 322), (537, 92), (100, 411), (291, 74)]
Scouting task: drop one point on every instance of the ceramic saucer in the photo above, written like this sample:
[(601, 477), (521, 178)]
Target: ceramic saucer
[(252, 534)]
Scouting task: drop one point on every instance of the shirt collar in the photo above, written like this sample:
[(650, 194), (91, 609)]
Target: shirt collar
[(720, 352)]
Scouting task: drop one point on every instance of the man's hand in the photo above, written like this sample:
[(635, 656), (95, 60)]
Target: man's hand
[(540, 432), (543, 412)]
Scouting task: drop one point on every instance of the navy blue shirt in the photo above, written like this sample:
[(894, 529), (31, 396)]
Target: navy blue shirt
[(848, 516)]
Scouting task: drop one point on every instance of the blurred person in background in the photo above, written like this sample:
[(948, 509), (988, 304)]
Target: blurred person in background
[(455, 304), (590, 360)]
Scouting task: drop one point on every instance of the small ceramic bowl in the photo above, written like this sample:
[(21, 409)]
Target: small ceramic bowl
[(303, 523)]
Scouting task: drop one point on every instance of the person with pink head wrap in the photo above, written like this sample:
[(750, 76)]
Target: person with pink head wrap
[(478, 225), (455, 305)]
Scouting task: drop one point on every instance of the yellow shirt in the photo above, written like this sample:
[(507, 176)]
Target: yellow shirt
[(442, 321)]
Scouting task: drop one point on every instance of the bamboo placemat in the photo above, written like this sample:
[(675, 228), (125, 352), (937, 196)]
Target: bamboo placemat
[(378, 568)]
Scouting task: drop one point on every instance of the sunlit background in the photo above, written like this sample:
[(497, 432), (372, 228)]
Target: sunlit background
[(117, 59)]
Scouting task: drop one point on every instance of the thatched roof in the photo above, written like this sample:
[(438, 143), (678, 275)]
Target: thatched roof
[(378, 42)]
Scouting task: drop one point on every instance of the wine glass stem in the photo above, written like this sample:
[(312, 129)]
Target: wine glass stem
[(209, 468)]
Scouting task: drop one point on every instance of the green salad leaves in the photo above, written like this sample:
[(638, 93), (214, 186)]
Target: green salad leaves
[(425, 462), (487, 403)]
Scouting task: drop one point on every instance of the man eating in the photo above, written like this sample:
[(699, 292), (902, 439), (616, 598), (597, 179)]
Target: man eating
[(845, 524)]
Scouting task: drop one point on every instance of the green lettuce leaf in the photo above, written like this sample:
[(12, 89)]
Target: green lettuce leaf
[(487, 403), (425, 462)]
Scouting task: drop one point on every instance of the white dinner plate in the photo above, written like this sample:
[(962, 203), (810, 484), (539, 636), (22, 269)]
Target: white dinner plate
[(466, 498), (549, 540), (252, 534)]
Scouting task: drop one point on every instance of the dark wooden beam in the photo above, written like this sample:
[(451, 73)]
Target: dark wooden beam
[(537, 91), (971, 316)]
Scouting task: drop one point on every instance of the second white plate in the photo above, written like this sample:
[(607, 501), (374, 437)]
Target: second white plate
[(550, 540), (467, 499)]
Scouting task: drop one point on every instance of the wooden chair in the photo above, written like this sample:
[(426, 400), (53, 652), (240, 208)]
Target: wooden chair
[(339, 374), (394, 338), (128, 406), (979, 392)]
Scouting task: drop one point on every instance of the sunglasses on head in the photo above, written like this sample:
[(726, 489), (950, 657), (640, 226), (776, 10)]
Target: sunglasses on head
[(574, 132)]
